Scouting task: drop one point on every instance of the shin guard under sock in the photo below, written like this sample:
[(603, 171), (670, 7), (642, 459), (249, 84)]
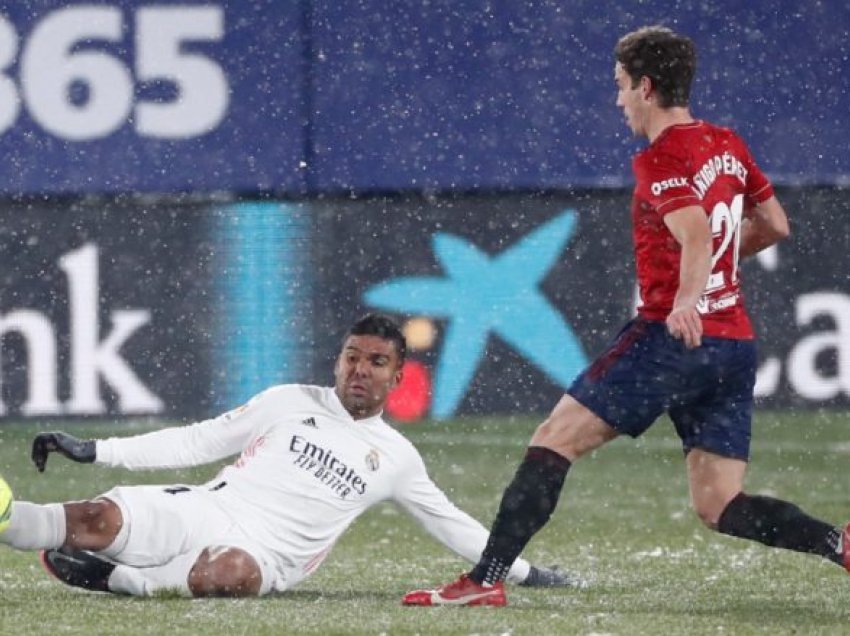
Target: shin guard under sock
[(779, 524), (526, 506)]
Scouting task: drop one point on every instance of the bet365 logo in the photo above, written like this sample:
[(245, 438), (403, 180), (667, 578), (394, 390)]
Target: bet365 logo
[(75, 86)]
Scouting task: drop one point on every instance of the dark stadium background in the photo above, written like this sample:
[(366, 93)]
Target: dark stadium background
[(347, 136)]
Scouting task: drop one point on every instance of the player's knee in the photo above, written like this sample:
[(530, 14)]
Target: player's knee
[(548, 431), (92, 525), (572, 430), (224, 571), (556, 434), (708, 514)]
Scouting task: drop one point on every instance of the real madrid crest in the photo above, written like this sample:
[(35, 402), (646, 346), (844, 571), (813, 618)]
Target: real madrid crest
[(373, 460)]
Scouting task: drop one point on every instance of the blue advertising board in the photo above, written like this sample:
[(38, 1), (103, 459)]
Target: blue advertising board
[(470, 95), (133, 96), (183, 309), (314, 97)]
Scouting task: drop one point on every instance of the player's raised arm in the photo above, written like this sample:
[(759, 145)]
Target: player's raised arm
[(764, 225)]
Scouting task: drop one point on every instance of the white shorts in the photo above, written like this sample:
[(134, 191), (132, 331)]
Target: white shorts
[(162, 522)]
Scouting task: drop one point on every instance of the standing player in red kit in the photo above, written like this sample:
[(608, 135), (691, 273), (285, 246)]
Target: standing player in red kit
[(700, 204)]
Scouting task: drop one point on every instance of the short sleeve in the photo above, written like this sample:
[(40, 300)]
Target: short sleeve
[(759, 188), (663, 181)]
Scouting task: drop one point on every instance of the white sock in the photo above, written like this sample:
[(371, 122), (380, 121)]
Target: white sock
[(35, 526), (173, 576)]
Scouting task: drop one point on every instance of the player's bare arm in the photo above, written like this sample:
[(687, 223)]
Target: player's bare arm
[(690, 228), (765, 225)]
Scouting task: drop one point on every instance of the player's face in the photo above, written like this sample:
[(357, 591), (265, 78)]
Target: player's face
[(631, 100), (367, 369)]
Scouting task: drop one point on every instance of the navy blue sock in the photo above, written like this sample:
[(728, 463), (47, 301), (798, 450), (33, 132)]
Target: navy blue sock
[(779, 524), (526, 506)]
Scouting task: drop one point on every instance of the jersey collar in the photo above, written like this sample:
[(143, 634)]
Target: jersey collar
[(337, 405)]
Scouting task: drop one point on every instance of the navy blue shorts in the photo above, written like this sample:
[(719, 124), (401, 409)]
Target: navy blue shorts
[(707, 391)]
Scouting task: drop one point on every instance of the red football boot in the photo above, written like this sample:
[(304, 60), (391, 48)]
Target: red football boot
[(464, 591)]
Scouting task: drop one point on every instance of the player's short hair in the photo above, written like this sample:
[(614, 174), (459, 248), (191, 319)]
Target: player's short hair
[(668, 59), (381, 325)]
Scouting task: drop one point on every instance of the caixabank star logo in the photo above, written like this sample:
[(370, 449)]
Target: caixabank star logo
[(480, 296)]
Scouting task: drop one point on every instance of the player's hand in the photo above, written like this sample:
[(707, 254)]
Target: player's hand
[(79, 450), (551, 577), (685, 324)]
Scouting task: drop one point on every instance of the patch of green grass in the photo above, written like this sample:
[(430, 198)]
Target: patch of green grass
[(623, 523)]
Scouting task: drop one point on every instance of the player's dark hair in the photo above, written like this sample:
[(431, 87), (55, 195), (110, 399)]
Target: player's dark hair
[(381, 325), (668, 59)]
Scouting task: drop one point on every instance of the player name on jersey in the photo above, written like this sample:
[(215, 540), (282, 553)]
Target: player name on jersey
[(725, 164)]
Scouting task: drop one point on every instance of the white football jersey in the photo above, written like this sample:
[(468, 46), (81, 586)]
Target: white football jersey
[(306, 470)]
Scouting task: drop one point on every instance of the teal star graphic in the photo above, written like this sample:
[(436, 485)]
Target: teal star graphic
[(482, 294)]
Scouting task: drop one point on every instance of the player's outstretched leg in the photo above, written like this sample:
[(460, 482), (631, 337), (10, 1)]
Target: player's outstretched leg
[(78, 568), (29, 526)]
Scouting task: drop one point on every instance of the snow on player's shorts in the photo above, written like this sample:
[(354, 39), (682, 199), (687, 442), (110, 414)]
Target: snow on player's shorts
[(162, 522), (707, 391)]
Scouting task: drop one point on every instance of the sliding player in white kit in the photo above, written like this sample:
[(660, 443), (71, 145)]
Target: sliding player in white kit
[(312, 459)]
